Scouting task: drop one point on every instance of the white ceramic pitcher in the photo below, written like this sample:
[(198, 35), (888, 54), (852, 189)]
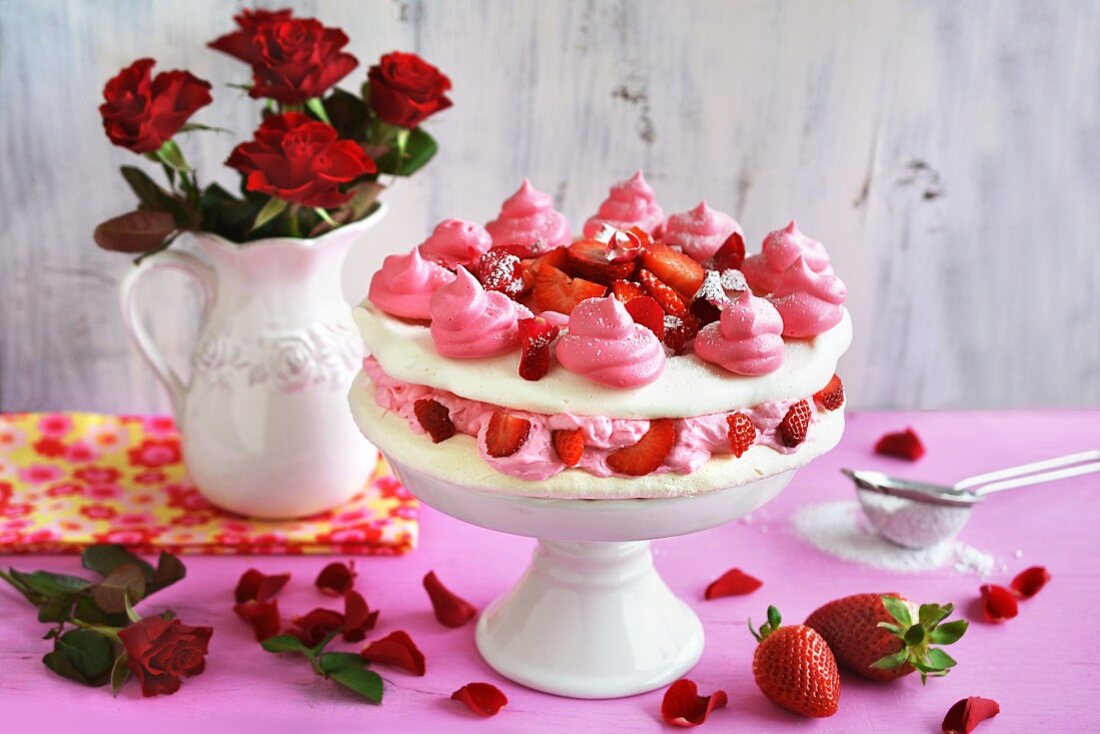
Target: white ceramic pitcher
[(265, 424)]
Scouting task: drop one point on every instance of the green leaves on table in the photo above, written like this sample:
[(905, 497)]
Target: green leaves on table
[(348, 669)]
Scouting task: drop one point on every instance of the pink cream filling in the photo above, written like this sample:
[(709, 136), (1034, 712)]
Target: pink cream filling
[(697, 438)]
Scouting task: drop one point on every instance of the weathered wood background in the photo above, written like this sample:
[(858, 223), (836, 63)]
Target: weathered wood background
[(947, 153)]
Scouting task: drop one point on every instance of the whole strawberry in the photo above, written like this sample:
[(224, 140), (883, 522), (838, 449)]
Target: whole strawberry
[(878, 637), (795, 668)]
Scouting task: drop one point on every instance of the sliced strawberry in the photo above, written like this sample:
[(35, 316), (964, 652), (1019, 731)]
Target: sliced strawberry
[(792, 429), (674, 268), (731, 254), (591, 259), (556, 291), (434, 418), (649, 453), (626, 290), (679, 332), (500, 269), (625, 247), (647, 312), (742, 433), (670, 300), (569, 446), (645, 239), (716, 292), (536, 335), (831, 396), (506, 434)]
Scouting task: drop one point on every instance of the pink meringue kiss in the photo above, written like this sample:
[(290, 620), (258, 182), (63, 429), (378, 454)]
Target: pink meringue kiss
[(404, 284), (765, 269), (604, 345), (469, 322), (631, 203), (809, 302), (701, 231), (528, 218), (747, 340), (456, 242)]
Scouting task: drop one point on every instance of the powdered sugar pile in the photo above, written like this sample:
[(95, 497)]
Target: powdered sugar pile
[(842, 530)]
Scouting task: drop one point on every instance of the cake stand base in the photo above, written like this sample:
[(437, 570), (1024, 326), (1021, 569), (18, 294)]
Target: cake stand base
[(590, 620)]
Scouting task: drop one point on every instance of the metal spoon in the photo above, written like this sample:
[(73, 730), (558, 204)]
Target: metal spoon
[(918, 514)]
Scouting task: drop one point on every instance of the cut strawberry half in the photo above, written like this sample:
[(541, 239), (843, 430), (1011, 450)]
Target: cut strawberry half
[(591, 259), (679, 332), (649, 453), (792, 429), (434, 418), (569, 445), (626, 246), (831, 396), (742, 433), (664, 294), (626, 290), (647, 312), (676, 269), (535, 334), (501, 269), (731, 254), (506, 434), (556, 291)]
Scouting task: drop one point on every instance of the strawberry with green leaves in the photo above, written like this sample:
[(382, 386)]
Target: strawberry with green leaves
[(794, 667), (885, 637)]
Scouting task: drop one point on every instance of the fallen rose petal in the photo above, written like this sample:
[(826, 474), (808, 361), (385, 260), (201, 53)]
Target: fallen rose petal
[(903, 445), (1029, 581), (262, 615), (396, 648), (484, 699), (315, 625), (358, 617), (336, 579), (683, 706), (257, 586), (968, 713), (734, 582), (450, 610), (998, 603)]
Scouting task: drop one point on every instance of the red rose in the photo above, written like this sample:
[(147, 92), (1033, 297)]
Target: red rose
[(238, 44), (297, 59), (160, 651), (405, 89), (141, 112), (300, 160)]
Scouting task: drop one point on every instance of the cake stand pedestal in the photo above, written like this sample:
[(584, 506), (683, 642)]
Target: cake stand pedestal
[(591, 617)]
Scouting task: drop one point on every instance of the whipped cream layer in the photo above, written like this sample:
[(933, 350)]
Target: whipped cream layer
[(687, 387), (463, 456)]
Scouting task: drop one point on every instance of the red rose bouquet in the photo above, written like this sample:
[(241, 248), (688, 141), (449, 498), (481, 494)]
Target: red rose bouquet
[(313, 164)]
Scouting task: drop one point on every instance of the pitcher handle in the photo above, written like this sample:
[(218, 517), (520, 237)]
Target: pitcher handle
[(168, 260)]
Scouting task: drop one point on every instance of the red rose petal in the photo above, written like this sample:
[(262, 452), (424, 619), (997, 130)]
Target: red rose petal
[(683, 706), (1029, 581), (450, 610), (315, 625), (358, 617), (396, 648), (903, 445), (968, 713), (257, 586), (262, 615), (336, 579), (484, 699), (734, 582), (998, 603)]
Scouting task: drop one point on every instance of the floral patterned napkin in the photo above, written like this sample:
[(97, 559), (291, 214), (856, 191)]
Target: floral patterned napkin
[(69, 480)]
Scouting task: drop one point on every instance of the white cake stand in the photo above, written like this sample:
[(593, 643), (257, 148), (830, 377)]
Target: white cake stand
[(591, 617)]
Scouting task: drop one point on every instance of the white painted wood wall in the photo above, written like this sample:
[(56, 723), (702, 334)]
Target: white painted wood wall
[(948, 154)]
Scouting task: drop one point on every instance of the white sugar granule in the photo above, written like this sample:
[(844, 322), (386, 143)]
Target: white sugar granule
[(842, 530)]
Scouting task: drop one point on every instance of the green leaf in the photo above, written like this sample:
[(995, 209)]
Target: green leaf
[(334, 661), (83, 656), (889, 662), (124, 585), (193, 126), (773, 618), (283, 643), (137, 231), (892, 628), (153, 197), (914, 635), (325, 216), (948, 633), (317, 107), (420, 147), (170, 569), (120, 673), (106, 558), (56, 608), (88, 611), (170, 155), (363, 681), (45, 583), (273, 208), (930, 615), (940, 660), (898, 610), (348, 114)]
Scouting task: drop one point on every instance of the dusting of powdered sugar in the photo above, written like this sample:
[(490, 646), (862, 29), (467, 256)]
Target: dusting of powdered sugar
[(841, 529)]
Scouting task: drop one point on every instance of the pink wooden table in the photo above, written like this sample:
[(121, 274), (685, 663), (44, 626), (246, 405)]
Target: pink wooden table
[(1042, 666)]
